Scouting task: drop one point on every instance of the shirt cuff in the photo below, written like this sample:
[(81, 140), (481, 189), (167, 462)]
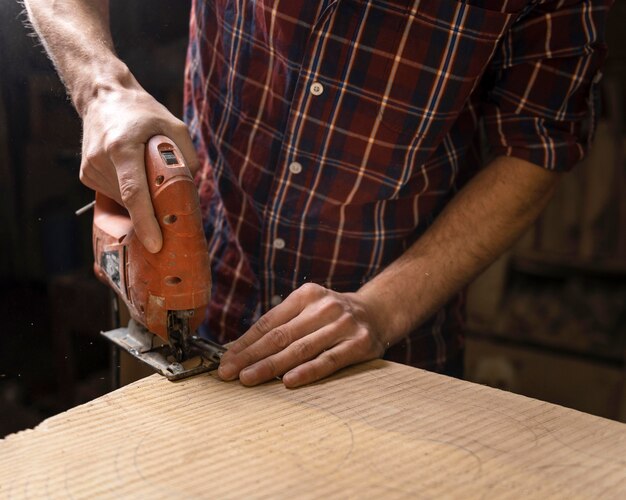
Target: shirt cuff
[(556, 146)]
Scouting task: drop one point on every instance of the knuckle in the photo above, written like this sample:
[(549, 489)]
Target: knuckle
[(85, 176), (236, 348), (310, 289), (116, 145), (91, 157), (272, 367), (303, 350), (279, 338), (364, 341), (262, 325), (363, 336), (87, 183), (332, 359), (246, 358), (130, 192), (82, 174), (331, 306)]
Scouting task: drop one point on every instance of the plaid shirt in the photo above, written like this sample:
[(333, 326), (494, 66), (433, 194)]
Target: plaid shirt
[(333, 132)]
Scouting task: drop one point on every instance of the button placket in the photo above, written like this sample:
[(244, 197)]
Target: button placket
[(294, 120)]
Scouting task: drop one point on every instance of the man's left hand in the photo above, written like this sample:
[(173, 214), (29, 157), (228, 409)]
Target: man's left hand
[(310, 335)]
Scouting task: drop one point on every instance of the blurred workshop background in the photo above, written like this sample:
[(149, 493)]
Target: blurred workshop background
[(548, 320)]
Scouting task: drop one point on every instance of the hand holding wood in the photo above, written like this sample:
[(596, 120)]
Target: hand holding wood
[(312, 334)]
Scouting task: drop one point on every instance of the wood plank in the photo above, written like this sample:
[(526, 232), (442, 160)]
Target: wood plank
[(377, 429)]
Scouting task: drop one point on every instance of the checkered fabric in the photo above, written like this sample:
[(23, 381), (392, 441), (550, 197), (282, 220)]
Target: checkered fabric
[(331, 133)]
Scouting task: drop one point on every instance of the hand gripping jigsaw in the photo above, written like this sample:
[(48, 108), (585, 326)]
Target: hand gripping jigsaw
[(166, 293)]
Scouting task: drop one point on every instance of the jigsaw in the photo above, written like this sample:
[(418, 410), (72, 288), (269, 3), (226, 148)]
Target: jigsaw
[(166, 293)]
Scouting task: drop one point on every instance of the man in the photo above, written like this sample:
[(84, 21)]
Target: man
[(335, 145)]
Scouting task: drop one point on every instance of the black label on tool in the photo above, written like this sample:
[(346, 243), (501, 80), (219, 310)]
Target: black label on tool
[(110, 263)]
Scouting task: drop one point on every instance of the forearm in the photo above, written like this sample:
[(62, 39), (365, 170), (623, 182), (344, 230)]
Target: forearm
[(118, 116), (77, 37), (316, 331), (484, 219)]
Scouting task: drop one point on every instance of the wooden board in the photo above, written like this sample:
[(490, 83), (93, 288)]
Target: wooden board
[(375, 430)]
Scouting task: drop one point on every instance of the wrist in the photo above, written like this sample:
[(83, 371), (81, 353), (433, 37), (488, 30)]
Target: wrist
[(111, 77), (388, 314)]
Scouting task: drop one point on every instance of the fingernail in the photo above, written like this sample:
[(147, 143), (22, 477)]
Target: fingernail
[(153, 245), (248, 375), (226, 371), (290, 379)]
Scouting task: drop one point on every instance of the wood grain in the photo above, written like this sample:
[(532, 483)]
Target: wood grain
[(375, 430)]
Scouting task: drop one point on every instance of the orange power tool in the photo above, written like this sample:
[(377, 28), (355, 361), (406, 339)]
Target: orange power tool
[(167, 292)]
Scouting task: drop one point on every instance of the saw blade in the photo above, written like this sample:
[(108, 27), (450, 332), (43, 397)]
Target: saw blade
[(203, 355)]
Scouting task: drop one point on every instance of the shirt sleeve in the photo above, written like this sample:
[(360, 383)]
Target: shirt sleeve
[(540, 103)]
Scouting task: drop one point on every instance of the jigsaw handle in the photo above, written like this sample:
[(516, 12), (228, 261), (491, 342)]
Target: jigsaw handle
[(177, 278)]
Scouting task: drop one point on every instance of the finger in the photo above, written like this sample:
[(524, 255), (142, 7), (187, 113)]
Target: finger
[(297, 353), (293, 305), (93, 177), (135, 196), (275, 340), (98, 173), (183, 140), (327, 363), (284, 347), (275, 317)]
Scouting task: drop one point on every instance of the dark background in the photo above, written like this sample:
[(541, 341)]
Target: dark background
[(52, 309), (547, 320)]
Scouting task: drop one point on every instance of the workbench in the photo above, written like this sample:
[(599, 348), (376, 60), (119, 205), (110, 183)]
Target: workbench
[(376, 430)]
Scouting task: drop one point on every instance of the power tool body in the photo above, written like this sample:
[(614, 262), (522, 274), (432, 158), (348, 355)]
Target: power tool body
[(166, 293)]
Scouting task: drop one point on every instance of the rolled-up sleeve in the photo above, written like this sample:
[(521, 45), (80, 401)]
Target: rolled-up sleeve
[(540, 104)]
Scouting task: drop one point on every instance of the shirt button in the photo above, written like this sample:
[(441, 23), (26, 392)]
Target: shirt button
[(279, 243), (317, 88), (295, 168), (275, 300)]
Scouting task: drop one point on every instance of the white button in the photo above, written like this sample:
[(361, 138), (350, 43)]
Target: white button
[(279, 243), (317, 88), (295, 168), (275, 300)]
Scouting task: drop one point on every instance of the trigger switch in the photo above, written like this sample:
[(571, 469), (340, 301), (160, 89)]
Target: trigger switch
[(169, 157)]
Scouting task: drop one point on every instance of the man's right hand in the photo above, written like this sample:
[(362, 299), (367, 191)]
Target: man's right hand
[(117, 124), (119, 116)]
